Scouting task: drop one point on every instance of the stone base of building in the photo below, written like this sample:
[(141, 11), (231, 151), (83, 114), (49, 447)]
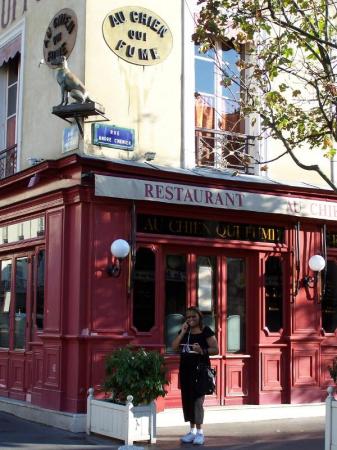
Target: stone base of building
[(171, 417), (243, 413), (75, 423)]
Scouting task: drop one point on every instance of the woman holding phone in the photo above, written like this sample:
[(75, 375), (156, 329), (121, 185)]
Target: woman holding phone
[(194, 341)]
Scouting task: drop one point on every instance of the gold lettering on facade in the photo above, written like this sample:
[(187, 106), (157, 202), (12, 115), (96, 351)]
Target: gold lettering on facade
[(151, 225), (209, 229), (267, 234)]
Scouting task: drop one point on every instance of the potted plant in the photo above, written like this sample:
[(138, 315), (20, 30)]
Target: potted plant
[(134, 379), (333, 370)]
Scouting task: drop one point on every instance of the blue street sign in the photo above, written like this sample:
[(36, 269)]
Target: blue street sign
[(112, 136)]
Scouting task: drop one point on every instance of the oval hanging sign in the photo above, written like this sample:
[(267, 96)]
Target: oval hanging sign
[(60, 36), (137, 35)]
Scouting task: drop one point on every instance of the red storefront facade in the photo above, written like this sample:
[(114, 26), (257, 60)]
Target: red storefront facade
[(238, 249)]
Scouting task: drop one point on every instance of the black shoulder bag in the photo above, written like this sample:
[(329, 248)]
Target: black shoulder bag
[(205, 381)]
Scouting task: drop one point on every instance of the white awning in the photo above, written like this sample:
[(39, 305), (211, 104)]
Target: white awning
[(194, 195)]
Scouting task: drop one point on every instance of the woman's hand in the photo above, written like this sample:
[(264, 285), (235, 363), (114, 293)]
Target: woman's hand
[(177, 340), (196, 348)]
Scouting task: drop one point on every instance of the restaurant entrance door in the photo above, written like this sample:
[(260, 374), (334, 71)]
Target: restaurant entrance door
[(217, 282)]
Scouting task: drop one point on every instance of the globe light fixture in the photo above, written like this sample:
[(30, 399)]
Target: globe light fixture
[(316, 264), (119, 250)]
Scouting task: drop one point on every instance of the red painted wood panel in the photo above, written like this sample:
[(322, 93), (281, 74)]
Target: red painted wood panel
[(305, 363), (109, 301), (236, 378), (52, 367), (4, 362), (271, 371), (16, 377), (37, 368), (54, 268)]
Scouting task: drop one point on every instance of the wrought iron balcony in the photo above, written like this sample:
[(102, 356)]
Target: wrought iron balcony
[(224, 150), (8, 161)]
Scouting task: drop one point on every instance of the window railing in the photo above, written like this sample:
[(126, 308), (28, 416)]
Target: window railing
[(8, 158), (223, 149)]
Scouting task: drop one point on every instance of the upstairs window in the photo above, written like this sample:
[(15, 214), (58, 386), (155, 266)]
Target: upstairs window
[(220, 140), (9, 88)]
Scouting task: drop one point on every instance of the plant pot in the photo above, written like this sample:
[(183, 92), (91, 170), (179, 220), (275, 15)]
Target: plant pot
[(125, 422)]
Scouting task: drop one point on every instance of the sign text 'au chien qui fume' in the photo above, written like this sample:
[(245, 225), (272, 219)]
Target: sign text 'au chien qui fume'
[(137, 35)]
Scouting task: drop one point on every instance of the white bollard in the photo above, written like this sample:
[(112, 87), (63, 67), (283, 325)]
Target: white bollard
[(89, 398), (328, 416)]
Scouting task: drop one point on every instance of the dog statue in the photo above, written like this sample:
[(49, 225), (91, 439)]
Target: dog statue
[(70, 84)]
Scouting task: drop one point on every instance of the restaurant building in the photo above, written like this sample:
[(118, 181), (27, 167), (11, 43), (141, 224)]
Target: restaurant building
[(239, 250), (204, 227)]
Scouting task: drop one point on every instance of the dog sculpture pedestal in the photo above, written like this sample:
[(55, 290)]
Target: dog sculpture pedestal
[(79, 111)]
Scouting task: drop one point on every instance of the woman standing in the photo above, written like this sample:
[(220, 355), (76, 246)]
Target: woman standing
[(195, 343)]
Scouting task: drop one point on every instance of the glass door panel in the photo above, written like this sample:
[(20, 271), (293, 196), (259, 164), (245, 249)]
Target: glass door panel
[(236, 305), (5, 302), (175, 295), (206, 289), (21, 276), (274, 293), (329, 300), (144, 290)]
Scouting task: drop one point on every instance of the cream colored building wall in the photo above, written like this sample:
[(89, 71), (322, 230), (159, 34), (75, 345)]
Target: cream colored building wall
[(146, 99), (285, 169), (40, 132)]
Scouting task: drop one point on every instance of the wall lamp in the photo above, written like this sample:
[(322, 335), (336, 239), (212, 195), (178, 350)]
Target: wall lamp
[(119, 250), (316, 264)]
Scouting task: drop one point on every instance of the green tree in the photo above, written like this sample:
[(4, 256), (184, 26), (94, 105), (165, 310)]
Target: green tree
[(289, 69)]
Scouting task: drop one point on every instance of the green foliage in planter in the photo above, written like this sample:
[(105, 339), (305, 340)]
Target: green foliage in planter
[(333, 370), (139, 373)]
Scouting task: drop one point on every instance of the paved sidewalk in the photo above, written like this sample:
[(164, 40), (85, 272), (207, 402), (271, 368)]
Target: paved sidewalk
[(290, 434)]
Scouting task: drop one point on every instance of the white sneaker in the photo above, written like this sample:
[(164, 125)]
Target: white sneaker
[(199, 439), (189, 437)]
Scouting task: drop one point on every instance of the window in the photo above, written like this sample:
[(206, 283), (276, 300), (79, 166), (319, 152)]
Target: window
[(19, 275), (329, 300), (274, 294), (9, 80), (144, 290), (219, 127), (236, 305)]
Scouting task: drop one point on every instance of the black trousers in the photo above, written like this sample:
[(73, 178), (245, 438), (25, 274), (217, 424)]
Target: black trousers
[(193, 405)]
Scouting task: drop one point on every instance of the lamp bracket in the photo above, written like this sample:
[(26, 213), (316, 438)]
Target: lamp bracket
[(114, 270)]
